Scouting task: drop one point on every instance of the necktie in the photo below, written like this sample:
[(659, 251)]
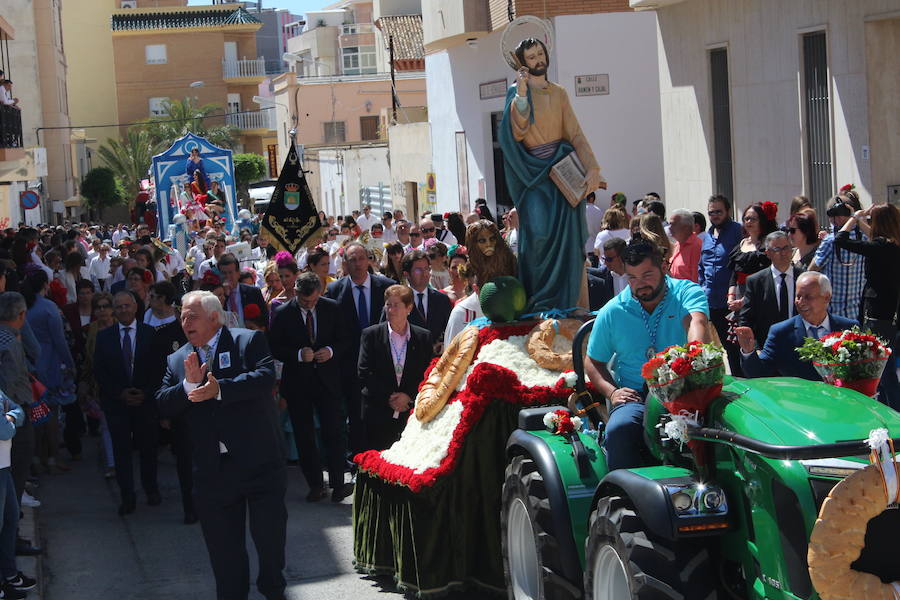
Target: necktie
[(206, 349), (362, 308), (127, 352), (783, 298), (310, 327), (422, 305), (814, 332)]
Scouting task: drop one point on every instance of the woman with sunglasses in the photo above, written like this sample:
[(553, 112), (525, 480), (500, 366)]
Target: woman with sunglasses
[(88, 393), (803, 231)]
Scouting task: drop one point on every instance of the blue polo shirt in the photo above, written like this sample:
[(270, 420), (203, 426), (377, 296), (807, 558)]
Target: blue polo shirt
[(620, 328), (713, 272)]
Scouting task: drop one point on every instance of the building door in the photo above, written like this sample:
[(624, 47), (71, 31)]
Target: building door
[(816, 104), (501, 193), (231, 51), (721, 112)]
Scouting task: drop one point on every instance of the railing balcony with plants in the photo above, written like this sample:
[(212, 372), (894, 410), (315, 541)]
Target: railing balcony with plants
[(244, 67), (10, 127), (261, 119)]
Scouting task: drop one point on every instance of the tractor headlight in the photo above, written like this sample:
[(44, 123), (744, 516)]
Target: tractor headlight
[(712, 499), (682, 501)]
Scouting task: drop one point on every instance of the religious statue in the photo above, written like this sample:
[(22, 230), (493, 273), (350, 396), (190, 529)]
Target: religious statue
[(489, 256), (539, 129)]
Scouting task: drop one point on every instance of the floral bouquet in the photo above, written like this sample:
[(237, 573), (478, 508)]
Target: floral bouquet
[(686, 379), (851, 358)]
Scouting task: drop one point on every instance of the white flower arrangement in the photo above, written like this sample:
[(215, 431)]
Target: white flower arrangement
[(424, 446), (512, 353)]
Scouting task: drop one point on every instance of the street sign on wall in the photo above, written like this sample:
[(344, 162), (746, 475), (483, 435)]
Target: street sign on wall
[(29, 199), (592, 85)]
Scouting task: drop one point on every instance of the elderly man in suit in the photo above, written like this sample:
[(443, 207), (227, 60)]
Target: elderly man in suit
[(239, 295), (308, 335), (769, 295), (223, 381), (779, 354), (360, 295), (128, 376), (431, 308), (393, 357)]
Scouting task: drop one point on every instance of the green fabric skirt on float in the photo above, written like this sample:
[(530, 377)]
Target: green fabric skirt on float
[(446, 536)]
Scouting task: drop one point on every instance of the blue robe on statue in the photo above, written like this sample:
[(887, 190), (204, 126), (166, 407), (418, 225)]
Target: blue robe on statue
[(551, 232)]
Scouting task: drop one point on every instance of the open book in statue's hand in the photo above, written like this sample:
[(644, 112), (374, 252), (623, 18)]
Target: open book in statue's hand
[(569, 176)]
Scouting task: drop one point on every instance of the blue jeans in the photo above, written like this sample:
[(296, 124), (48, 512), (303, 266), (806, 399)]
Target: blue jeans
[(624, 436), (9, 509)]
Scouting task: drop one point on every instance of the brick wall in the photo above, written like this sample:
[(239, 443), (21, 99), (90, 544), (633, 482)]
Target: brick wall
[(551, 8)]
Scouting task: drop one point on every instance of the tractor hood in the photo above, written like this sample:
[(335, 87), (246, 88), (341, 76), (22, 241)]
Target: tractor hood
[(796, 412)]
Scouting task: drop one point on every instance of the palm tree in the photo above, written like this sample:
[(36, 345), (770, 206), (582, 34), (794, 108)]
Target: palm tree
[(129, 158), (182, 117)]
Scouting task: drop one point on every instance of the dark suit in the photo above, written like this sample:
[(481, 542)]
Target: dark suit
[(438, 308), (779, 354), (344, 293), (253, 295), (376, 372), (251, 475), (312, 386), (600, 286), (129, 425), (169, 338), (760, 310)]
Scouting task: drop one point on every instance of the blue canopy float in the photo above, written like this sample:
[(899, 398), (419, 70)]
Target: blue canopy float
[(170, 174)]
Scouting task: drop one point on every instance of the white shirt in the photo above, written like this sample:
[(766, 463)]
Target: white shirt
[(365, 223), (205, 266), (466, 310), (390, 235), (608, 234), (118, 236), (513, 241), (153, 321), (620, 282), (5, 96), (825, 325), (445, 236), (172, 266), (789, 281), (594, 218)]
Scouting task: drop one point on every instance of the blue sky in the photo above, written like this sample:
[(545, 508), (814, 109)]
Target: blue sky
[(298, 7)]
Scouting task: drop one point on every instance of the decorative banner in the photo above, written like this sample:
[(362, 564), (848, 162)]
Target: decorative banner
[(29, 199), (292, 219)]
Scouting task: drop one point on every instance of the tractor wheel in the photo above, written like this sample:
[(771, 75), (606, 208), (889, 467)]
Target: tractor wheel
[(624, 561), (531, 559)]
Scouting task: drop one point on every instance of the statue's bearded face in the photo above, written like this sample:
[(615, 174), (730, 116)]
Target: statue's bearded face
[(487, 243), (536, 60)]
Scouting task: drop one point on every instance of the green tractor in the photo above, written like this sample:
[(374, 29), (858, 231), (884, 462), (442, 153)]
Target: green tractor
[(737, 528)]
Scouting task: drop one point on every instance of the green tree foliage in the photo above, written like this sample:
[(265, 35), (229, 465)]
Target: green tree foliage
[(182, 117), (100, 189), (129, 159), (247, 169)]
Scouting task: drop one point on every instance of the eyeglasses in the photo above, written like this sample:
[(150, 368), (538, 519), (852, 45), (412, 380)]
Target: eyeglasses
[(780, 249), (415, 235), (751, 219), (103, 306), (714, 213), (792, 230), (609, 258), (426, 229)]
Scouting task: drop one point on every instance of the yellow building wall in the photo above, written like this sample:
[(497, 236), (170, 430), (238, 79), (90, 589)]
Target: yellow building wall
[(89, 57)]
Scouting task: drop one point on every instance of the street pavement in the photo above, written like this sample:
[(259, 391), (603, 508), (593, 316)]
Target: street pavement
[(92, 553)]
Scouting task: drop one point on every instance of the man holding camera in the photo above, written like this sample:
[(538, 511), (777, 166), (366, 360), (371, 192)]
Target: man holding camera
[(845, 269)]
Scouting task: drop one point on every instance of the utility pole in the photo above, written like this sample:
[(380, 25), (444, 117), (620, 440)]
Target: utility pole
[(393, 79)]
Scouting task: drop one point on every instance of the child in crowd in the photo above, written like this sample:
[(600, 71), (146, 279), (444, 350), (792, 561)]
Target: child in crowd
[(437, 256)]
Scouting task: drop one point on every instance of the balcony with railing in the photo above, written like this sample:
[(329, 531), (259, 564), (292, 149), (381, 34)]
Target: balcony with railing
[(357, 34), (10, 132), (250, 70), (261, 120)]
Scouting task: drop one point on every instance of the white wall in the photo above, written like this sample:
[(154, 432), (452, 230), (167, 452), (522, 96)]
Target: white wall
[(763, 38), (623, 127), (23, 68), (359, 168), (409, 146)]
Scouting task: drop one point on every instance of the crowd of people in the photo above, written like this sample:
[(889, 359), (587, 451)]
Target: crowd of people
[(91, 317)]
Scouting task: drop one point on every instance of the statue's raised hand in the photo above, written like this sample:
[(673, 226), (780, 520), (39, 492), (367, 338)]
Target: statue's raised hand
[(522, 81)]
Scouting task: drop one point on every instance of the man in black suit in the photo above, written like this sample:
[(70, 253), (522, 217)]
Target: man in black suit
[(309, 337), (128, 376), (431, 308), (360, 296), (600, 286), (779, 354), (393, 357), (223, 381), (769, 297), (239, 295)]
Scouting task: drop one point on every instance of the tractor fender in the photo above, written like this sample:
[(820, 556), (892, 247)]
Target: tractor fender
[(650, 499), (523, 443)]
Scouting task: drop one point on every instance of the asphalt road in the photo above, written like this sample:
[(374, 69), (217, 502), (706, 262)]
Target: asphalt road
[(93, 553)]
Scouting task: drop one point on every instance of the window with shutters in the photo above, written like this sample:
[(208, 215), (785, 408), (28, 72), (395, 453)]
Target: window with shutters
[(816, 104), (368, 127), (721, 113), (155, 54), (334, 132)]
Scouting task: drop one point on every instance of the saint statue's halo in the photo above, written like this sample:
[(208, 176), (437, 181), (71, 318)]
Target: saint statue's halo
[(521, 28)]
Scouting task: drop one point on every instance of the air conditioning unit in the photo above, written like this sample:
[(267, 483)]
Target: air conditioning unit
[(129, 4)]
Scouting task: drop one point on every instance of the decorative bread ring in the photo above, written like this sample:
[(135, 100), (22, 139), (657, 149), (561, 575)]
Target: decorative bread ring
[(540, 343), (446, 374), (839, 535)]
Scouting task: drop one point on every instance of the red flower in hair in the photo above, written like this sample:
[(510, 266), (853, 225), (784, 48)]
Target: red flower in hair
[(252, 311), (848, 188), (446, 215), (147, 276), (211, 279), (770, 209)]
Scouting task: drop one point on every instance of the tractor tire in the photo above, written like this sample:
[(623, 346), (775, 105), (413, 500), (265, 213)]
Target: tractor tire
[(624, 561), (531, 561)]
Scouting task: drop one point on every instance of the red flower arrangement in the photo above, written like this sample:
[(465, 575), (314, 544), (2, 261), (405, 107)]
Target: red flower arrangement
[(770, 209), (486, 384), (252, 311)]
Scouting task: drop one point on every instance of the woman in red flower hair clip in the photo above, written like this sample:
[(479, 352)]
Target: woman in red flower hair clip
[(749, 256)]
